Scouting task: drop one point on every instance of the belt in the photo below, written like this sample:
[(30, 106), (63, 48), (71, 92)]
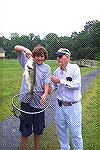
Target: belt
[(60, 103)]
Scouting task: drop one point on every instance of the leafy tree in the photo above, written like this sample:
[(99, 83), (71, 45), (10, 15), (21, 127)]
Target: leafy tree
[(1, 41), (13, 54), (36, 41), (85, 44)]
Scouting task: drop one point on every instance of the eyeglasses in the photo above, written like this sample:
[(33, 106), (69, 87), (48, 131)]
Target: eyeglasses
[(60, 56)]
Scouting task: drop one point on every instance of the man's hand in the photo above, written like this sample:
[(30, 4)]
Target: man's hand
[(55, 79)]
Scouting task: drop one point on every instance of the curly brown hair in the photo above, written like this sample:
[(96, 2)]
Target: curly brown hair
[(39, 51)]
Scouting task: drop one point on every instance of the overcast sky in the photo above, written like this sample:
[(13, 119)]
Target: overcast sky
[(46, 16)]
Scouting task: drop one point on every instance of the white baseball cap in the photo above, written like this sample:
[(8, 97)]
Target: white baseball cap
[(63, 51)]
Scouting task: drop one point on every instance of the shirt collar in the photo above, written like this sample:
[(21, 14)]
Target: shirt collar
[(65, 68)]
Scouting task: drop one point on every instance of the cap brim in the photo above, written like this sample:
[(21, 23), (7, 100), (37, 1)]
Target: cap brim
[(59, 53)]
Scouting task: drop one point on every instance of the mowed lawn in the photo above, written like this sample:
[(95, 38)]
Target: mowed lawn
[(11, 75)]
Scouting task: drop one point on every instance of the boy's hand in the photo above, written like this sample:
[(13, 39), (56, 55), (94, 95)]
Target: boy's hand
[(28, 53), (20, 48), (50, 89), (43, 98)]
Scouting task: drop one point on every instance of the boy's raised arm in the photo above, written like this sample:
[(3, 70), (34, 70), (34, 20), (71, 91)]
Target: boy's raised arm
[(20, 48)]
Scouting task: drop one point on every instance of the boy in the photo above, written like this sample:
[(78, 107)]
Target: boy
[(34, 123)]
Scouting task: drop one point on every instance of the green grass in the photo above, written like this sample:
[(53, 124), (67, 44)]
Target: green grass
[(11, 75), (90, 123), (91, 116), (49, 139), (84, 70)]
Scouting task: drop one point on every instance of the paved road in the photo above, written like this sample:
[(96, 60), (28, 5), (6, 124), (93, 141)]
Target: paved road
[(9, 134)]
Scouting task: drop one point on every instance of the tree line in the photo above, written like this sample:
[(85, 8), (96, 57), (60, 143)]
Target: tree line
[(83, 45)]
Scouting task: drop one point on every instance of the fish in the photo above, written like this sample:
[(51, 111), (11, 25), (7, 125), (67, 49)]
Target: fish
[(30, 73)]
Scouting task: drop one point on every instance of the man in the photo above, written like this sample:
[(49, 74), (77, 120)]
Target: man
[(67, 79), (33, 123)]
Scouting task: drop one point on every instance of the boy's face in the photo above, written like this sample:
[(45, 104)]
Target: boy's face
[(39, 59)]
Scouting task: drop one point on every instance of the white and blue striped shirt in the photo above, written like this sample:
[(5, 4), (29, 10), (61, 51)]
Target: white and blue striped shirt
[(43, 76), (69, 91)]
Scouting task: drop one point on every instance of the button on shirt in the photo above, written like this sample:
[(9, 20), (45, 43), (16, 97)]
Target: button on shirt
[(43, 75), (69, 91)]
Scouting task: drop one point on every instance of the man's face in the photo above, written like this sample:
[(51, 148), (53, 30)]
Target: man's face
[(63, 59), (39, 59)]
